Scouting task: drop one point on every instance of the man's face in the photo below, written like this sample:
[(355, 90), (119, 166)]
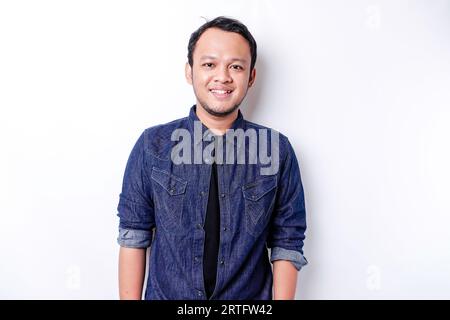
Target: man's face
[(220, 74)]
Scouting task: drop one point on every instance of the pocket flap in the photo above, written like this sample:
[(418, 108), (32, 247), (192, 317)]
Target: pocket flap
[(255, 190), (172, 184)]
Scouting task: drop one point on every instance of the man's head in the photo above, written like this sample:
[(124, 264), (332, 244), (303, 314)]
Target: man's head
[(221, 65)]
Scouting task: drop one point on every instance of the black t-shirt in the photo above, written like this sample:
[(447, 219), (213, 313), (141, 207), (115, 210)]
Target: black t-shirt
[(212, 234)]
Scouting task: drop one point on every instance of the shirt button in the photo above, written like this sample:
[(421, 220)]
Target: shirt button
[(199, 226), (224, 228), (199, 293), (222, 262), (202, 193), (196, 259), (223, 195), (172, 191)]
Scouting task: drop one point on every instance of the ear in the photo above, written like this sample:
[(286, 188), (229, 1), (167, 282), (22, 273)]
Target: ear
[(252, 77), (188, 73)]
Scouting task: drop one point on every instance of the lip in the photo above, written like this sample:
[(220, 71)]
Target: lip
[(221, 95)]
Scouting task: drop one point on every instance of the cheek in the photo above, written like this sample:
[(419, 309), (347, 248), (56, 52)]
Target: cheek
[(241, 87), (201, 78), (199, 84)]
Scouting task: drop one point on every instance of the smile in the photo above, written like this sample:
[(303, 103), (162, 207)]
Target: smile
[(221, 94)]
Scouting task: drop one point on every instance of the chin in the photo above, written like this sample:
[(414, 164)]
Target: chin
[(220, 111), (224, 109)]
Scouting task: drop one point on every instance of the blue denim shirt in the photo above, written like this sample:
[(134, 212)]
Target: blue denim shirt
[(163, 205)]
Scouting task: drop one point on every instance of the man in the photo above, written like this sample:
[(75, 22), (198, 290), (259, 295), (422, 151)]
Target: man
[(209, 220)]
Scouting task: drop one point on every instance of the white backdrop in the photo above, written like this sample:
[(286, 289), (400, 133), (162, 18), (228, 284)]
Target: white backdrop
[(361, 88)]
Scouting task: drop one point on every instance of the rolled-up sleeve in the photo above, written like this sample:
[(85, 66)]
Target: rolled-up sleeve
[(288, 223), (297, 259), (135, 208), (130, 238)]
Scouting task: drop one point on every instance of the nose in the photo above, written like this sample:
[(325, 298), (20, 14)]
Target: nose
[(222, 75)]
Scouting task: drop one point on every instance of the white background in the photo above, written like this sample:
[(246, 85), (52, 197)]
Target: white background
[(361, 88)]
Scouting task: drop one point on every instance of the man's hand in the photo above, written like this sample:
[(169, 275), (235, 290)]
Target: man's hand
[(284, 280), (131, 273)]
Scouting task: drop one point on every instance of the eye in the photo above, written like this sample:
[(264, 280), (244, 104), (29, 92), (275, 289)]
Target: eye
[(208, 65), (237, 67)]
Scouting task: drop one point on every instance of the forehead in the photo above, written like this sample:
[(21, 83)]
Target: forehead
[(222, 44)]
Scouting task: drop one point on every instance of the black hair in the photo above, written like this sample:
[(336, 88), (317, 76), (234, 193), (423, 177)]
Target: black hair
[(225, 24)]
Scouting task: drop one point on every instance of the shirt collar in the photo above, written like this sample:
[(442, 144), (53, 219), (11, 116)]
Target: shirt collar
[(238, 123)]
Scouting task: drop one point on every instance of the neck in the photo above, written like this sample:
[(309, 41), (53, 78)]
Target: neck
[(218, 125)]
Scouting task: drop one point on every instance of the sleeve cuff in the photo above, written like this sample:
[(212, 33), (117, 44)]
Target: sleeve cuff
[(297, 259), (130, 238)]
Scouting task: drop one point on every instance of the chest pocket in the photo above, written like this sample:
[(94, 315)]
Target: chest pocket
[(259, 198), (169, 193)]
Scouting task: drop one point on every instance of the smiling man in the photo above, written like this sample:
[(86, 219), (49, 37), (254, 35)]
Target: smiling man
[(209, 224)]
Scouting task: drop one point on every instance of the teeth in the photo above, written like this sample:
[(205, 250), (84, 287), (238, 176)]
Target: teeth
[(221, 91)]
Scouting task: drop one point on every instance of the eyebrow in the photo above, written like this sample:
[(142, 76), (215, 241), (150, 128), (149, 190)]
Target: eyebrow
[(232, 59)]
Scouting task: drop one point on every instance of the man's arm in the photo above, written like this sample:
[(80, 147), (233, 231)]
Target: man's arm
[(288, 227), (284, 280), (137, 220), (131, 273)]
